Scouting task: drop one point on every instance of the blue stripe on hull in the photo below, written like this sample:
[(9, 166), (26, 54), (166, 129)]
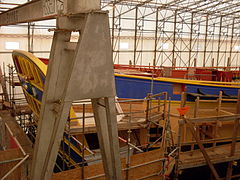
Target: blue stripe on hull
[(139, 88), (134, 88)]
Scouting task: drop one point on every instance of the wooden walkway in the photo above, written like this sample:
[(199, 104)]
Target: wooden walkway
[(219, 154)]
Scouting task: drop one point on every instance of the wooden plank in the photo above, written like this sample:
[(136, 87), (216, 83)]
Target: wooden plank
[(219, 154), (214, 118)]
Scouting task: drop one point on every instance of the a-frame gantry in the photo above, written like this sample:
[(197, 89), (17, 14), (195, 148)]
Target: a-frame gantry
[(76, 71)]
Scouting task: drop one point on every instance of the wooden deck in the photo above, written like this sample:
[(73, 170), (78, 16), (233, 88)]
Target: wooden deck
[(219, 154)]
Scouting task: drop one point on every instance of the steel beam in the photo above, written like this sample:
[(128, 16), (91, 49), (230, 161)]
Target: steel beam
[(190, 41), (231, 42), (156, 39), (205, 42), (135, 37), (219, 42), (174, 36)]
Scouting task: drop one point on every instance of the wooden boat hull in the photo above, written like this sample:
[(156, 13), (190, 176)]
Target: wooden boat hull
[(32, 72)]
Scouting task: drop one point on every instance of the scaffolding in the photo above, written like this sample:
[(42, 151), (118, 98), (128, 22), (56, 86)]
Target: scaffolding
[(206, 143), (151, 114), (176, 33), (155, 114), (152, 118), (184, 33), (181, 33)]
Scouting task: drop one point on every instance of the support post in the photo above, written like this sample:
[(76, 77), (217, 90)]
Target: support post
[(156, 39), (196, 111), (180, 128), (231, 44), (174, 36), (135, 38), (218, 123), (190, 42), (219, 42), (205, 43), (106, 124)]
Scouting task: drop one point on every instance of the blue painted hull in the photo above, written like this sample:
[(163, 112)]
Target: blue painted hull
[(137, 88)]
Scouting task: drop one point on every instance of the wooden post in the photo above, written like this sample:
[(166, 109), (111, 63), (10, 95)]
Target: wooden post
[(148, 111), (234, 140), (195, 115), (205, 155), (180, 127), (219, 103), (196, 107), (183, 100), (183, 103), (3, 144), (218, 123)]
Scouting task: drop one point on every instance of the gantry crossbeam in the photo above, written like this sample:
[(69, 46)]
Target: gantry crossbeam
[(43, 10)]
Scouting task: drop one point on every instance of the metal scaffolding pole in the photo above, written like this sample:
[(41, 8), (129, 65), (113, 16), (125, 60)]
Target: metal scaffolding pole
[(219, 42), (174, 36), (190, 42), (231, 43), (205, 42)]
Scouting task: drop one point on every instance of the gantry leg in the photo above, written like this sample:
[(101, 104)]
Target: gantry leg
[(106, 124), (78, 71)]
